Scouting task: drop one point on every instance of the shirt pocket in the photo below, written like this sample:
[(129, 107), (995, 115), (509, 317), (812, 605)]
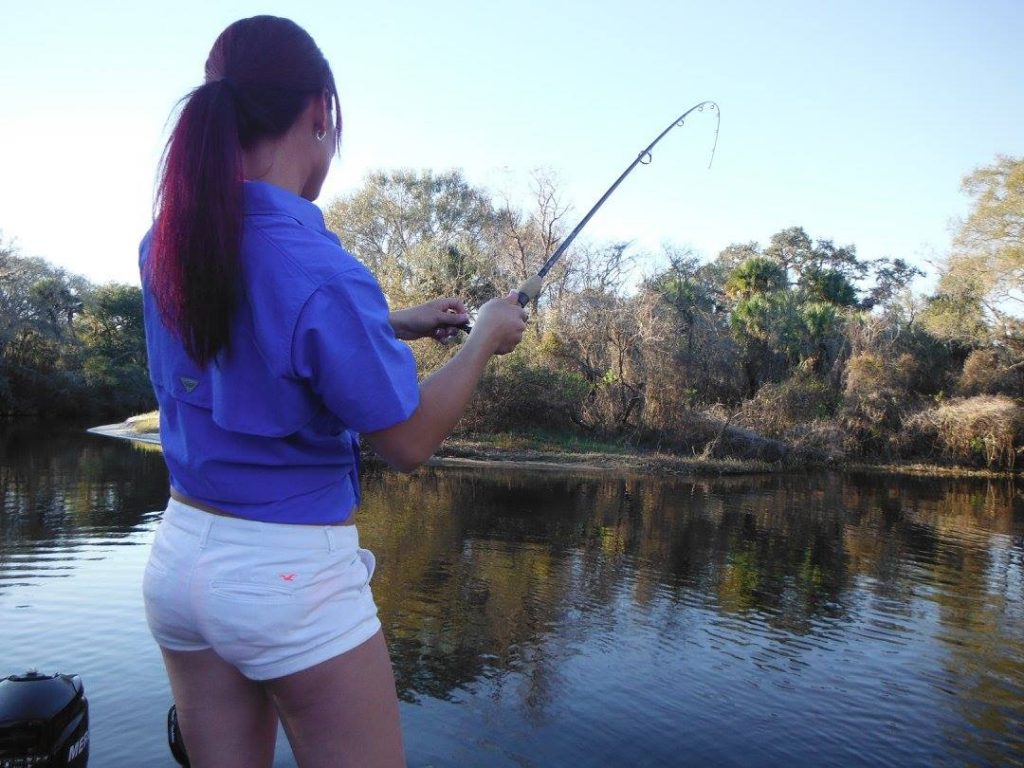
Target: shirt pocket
[(176, 375)]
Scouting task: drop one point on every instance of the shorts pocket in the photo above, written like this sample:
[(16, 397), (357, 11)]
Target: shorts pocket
[(251, 591), (341, 579), (369, 561)]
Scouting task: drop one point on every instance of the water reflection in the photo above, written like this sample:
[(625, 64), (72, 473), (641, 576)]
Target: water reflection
[(62, 493), (543, 619), (54, 482), (484, 577)]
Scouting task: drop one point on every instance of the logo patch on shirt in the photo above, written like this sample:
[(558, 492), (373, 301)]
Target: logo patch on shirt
[(188, 384), (288, 576)]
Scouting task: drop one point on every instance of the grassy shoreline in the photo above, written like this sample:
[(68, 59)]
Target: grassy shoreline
[(542, 451), (522, 449)]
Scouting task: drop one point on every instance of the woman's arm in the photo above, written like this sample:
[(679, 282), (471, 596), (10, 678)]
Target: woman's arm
[(445, 394)]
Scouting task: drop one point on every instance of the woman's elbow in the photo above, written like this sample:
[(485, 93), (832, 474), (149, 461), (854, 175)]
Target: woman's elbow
[(406, 465), (403, 458), (405, 446)]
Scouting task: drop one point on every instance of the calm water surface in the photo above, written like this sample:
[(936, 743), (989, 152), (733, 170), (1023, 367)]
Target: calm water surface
[(540, 619)]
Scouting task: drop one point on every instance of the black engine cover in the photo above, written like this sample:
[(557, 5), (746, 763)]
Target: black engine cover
[(44, 716)]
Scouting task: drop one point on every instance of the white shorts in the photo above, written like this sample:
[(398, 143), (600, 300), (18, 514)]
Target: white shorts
[(271, 599)]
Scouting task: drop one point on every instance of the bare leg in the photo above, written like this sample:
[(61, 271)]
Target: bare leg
[(344, 711), (226, 720)]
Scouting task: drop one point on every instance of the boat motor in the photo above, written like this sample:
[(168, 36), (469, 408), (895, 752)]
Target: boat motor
[(44, 721)]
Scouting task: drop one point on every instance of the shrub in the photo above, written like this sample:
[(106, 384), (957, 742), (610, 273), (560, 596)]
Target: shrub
[(983, 430), (818, 440), (778, 408), (516, 392), (712, 434), (873, 400), (985, 373)]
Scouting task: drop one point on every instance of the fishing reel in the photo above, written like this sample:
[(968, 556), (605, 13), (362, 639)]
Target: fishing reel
[(44, 721)]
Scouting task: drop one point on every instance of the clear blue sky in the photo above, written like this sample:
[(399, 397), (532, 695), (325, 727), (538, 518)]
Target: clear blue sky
[(855, 120)]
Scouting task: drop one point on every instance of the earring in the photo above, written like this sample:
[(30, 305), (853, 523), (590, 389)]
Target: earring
[(320, 134)]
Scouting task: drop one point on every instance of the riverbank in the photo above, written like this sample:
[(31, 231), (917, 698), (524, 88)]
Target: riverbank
[(537, 453), (528, 452)]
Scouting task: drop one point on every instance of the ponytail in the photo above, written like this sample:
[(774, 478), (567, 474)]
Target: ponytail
[(193, 265), (260, 75)]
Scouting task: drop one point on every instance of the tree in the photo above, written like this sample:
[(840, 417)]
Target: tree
[(689, 357), (67, 347), (892, 278), (763, 319), (793, 249), (595, 333), (422, 234), (990, 241), (112, 333), (57, 299), (691, 290), (19, 310), (828, 286), (986, 269), (528, 237), (980, 293), (757, 275), (779, 322)]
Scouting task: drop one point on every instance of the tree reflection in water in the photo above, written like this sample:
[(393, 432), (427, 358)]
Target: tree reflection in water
[(484, 575), (55, 483)]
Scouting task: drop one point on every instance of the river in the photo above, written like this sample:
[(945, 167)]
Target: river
[(583, 619)]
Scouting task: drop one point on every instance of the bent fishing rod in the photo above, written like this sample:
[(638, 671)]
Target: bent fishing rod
[(531, 288)]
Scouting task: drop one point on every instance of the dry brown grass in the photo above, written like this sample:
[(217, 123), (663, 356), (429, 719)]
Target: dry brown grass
[(988, 372), (144, 422), (818, 441), (779, 408), (985, 430)]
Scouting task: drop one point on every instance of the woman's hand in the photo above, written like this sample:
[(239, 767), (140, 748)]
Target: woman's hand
[(446, 392), (502, 323), (439, 319)]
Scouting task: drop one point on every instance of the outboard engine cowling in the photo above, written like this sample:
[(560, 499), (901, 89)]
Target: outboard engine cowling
[(44, 721)]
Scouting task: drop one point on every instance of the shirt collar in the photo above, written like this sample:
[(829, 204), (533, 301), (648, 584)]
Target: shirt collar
[(264, 198)]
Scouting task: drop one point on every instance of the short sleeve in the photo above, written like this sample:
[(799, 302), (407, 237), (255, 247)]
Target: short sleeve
[(345, 347)]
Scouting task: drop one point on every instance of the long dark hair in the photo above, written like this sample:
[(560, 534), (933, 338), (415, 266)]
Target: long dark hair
[(260, 75)]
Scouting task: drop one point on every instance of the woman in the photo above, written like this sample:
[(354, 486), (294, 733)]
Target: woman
[(270, 347)]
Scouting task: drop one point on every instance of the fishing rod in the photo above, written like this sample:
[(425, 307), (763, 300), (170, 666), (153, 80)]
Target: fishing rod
[(531, 288)]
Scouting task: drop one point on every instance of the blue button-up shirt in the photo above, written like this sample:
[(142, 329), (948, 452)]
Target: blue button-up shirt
[(268, 430)]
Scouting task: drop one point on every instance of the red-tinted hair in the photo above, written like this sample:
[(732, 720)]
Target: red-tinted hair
[(260, 75)]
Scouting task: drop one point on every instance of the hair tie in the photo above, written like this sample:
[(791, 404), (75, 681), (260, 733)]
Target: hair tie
[(228, 82)]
